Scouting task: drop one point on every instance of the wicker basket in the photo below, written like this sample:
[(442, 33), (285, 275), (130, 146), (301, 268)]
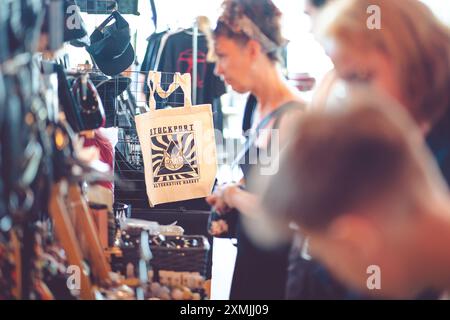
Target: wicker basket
[(190, 259)]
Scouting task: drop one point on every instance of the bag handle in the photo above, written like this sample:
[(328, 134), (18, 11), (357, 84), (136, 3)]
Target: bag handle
[(182, 81)]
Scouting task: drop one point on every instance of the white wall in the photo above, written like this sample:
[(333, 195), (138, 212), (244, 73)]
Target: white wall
[(441, 8), (305, 54)]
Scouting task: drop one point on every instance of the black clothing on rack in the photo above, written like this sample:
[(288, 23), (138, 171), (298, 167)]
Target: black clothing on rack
[(177, 56), (151, 53), (150, 59)]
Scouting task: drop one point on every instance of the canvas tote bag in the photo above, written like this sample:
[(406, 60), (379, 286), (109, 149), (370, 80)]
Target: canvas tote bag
[(178, 145)]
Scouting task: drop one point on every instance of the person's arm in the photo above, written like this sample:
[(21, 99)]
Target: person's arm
[(229, 197), (245, 202)]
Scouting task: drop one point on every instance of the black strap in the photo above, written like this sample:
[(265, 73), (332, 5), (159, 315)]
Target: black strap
[(250, 107), (154, 13), (276, 114)]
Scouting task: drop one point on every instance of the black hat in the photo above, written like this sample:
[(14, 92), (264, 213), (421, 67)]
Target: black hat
[(108, 90), (110, 46)]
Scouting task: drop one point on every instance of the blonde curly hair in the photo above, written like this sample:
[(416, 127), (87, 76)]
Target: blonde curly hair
[(410, 35)]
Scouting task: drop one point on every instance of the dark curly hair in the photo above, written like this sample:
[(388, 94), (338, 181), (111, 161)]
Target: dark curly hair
[(263, 14)]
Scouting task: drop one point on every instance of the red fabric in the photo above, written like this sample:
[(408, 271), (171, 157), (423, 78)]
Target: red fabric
[(106, 154)]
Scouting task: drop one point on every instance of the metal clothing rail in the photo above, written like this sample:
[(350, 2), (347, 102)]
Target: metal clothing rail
[(195, 63)]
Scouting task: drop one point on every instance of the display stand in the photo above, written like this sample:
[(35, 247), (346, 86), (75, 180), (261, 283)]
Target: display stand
[(86, 228), (66, 235)]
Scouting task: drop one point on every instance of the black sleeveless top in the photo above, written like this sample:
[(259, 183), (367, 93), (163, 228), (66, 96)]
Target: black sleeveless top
[(259, 274)]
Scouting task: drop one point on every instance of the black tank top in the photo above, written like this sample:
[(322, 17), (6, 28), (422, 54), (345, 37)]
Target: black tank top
[(259, 274)]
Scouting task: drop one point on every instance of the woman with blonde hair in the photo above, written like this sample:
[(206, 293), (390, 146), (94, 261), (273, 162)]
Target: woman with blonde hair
[(408, 57)]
